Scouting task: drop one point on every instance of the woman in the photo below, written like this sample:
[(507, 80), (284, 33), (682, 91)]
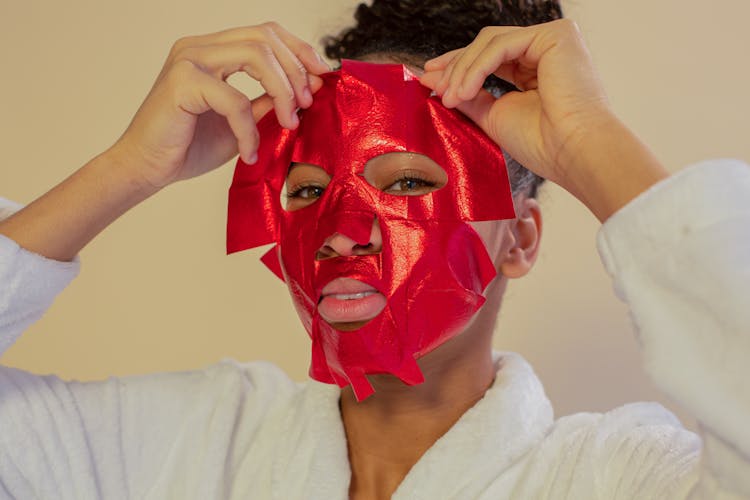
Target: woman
[(237, 430)]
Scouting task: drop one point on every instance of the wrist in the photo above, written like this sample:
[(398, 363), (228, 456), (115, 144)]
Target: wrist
[(62, 221), (607, 166), (117, 165)]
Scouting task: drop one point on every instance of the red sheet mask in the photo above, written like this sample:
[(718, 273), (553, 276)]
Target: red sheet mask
[(433, 267)]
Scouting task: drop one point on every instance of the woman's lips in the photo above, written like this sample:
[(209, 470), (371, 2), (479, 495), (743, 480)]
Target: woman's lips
[(348, 301)]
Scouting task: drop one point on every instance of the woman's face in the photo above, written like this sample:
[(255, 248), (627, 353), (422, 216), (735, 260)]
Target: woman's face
[(375, 190)]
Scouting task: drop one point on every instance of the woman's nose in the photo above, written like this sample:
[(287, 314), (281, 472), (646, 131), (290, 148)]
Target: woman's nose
[(340, 245)]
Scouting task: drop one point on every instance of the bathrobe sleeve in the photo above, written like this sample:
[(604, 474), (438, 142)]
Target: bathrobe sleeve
[(170, 435), (28, 283), (679, 255)]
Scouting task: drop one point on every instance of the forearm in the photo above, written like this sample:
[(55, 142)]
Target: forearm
[(608, 166), (61, 222)]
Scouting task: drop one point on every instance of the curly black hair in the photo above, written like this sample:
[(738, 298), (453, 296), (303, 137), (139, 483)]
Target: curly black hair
[(413, 31)]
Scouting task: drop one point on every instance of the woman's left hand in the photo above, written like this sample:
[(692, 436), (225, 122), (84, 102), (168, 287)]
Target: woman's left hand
[(560, 124), (561, 95)]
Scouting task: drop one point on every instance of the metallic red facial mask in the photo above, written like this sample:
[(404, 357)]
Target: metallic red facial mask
[(433, 267)]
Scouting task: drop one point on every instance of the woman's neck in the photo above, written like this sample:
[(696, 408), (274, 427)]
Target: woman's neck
[(390, 431)]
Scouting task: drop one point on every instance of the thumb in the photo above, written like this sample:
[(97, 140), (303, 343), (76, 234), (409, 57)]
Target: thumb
[(478, 109), (512, 121)]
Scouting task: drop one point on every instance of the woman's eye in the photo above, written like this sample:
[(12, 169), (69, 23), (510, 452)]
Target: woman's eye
[(305, 183), (410, 185), (403, 173), (307, 192)]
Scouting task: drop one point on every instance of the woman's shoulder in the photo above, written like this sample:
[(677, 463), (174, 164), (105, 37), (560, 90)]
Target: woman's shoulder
[(639, 450), (215, 384), (156, 426)]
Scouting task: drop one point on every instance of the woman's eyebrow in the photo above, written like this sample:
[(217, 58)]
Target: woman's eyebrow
[(294, 164), (291, 166)]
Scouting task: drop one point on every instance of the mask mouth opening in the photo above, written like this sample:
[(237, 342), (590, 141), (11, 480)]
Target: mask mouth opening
[(348, 304)]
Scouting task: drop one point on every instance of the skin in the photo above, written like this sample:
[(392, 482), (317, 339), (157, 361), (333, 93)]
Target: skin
[(560, 126)]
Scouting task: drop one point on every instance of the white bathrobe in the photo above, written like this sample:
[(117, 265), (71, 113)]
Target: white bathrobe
[(679, 255)]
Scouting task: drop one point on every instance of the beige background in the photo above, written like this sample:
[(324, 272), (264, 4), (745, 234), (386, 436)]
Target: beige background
[(157, 292)]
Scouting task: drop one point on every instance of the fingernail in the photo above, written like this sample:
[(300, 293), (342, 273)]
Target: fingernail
[(307, 94), (447, 99), (323, 62), (253, 159), (295, 120), (442, 85)]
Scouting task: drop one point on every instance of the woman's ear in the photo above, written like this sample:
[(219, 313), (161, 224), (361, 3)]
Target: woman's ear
[(524, 233)]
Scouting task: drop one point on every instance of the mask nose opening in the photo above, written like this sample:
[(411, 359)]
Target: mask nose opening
[(351, 234)]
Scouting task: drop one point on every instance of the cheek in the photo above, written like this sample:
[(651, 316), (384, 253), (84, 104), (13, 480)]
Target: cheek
[(493, 234)]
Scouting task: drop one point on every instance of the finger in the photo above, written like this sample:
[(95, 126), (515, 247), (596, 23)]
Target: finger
[(442, 85), (206, 93), (316, 83), (478, 109), (261, 105), (293, 68), (504, 56), (476, 49), (430, 79), (440, 68), (259, 33), (440, 62), (459, 65), (312, 60), (258, 60), (273, 79), (296, 57), (224, 60), (264, 103)]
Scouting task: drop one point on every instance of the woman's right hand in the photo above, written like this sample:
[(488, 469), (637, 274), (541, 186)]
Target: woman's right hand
[(193, 121)]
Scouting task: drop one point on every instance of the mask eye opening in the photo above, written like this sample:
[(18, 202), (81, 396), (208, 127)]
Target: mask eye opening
[(305, 183), (404, 173)]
